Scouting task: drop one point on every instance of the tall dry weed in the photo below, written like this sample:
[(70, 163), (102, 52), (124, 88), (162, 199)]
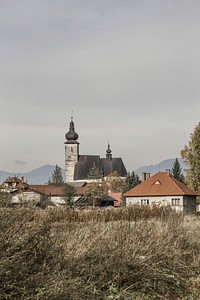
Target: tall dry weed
[(129, 253)]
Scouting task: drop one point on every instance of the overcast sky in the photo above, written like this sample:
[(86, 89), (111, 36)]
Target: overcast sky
[(128, 69)]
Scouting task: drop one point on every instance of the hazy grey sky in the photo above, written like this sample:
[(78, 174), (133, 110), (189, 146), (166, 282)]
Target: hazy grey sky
[(129, 70)]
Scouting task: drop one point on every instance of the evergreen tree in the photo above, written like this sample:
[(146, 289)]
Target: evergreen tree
[(176, 171), (131, 181), (56, 177), (191, 156), (95, 173)]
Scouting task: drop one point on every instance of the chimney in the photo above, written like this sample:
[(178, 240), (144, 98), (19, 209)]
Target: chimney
[(22, 178), (168, 171), (148, 175), (145, 176)]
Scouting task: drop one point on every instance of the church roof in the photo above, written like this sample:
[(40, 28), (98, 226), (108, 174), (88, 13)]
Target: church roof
[(84, 164), (105, 165), (115, 164)]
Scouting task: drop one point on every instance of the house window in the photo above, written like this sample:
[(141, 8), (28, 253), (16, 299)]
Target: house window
[(175, 201), (144, 201)]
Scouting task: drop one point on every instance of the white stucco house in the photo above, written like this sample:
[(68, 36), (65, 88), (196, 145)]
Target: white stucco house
[(163, 189)]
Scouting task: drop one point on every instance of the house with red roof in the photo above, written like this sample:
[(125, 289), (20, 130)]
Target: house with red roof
[(163, 189), (56, 192), (21, 192)]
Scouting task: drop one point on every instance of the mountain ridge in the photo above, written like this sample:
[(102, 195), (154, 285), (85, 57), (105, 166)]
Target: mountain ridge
[(42, 174), (39, 175), (162, 166)]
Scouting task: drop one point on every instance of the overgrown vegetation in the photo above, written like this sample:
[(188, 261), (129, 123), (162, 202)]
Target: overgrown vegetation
[(114, 182), (130, 253), (191, 157)]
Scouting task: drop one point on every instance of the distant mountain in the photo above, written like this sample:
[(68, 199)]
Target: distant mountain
[(41, 175), (162, 166), (37, 176)]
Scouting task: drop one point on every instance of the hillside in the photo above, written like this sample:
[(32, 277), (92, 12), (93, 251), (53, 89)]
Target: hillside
[(42, 174), (162, 166)]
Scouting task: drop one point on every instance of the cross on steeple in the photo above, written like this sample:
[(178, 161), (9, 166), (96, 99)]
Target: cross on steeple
[(72, 115)]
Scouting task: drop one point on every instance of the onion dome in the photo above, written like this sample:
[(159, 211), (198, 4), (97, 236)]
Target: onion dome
[(108, 152), (71, 135)]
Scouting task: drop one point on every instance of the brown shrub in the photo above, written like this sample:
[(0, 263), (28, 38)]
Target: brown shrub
[(129, 253)]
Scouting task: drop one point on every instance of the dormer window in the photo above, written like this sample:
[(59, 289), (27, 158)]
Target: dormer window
[(157, 182)]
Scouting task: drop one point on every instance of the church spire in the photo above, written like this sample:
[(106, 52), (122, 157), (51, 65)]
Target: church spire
[(109, 152), (71, 136)]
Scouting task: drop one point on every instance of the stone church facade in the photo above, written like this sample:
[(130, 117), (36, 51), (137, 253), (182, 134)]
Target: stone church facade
[(77, 167)]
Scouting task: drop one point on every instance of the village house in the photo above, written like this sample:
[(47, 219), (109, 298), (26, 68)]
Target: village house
[(162, 189), (55, 193), (108, 200), (52, 194), (43, 195), (19, 190)]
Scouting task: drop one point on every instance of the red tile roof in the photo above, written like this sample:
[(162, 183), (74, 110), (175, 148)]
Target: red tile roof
[(54, 189), (161, 184), (116, 196)]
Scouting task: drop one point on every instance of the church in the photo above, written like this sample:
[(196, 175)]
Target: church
[(77, 167)]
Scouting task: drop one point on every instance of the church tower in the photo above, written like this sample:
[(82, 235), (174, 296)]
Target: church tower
[(109, 153), (71, 152)]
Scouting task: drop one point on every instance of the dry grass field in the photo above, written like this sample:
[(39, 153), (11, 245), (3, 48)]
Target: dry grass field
[(129, 253)]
